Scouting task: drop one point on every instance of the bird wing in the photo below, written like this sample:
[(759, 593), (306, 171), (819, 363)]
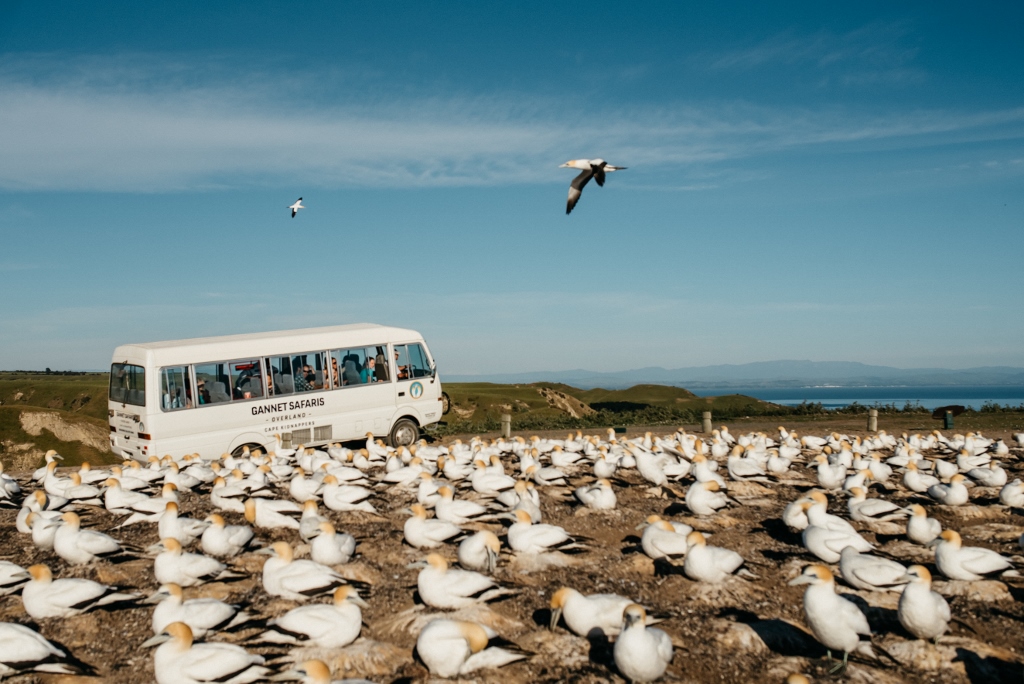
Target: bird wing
[(96, 543), (599, 175), (488, 658), (75, 593), (576, 188), (315, 621), (464, 583), (941, 606), (210, 662), (982, 561), (879, 572), (853, 617)]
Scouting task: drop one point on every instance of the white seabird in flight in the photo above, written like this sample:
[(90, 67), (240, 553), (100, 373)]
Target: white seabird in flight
[(295, 207), (591, 168)]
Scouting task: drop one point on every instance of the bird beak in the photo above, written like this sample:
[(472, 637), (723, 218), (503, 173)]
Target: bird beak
[(58, 457), (156, 597), (641, 525), (157, 640), (359, 602), (492, 561), (802, 579), (417, 564), (21, 576), (933, 543), (156, 548), (563, 166), (266, 551), (556, 615), (287, 676)]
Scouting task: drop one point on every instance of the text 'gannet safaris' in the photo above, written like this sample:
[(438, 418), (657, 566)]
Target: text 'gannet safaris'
[(591, 168), (295, 207)]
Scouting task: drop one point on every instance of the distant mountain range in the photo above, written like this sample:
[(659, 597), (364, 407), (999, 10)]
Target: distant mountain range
[(766, 374)]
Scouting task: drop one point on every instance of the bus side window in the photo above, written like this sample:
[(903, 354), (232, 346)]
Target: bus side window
[(381, 366), (246, 379), (174, 389), (283, 380), (212, 383), (402, 362)]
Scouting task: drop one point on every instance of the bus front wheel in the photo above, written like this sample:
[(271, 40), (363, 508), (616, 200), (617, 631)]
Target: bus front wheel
[(404, 433), (237, 453)]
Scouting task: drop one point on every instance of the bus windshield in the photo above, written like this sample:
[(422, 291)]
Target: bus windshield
[(128, 384)]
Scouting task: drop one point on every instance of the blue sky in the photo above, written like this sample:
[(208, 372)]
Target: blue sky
[(806, 181)]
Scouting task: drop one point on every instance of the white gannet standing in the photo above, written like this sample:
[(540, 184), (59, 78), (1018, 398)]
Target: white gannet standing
[(872, 510), (295, 207), (970, 563), (837, 622), (428, 533), (590, 168), (710, 564), (45, 597), (528, 538), (588, 615), (480, 551), (297, 580), (1012, 494), (953, 494), (78, 546), (642, 653), (870, 573), (22, 650), (442, 587), (599, 495), (331, 548), (222, 540), (920, 528), (454, 647), (922, 612), (176, 566), (332, 625), (663, 538), (202, 615), (179, 661), (12, 576), (704, 498)]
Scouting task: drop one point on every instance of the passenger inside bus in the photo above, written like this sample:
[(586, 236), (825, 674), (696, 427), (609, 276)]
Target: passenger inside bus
[(304, 378), (367, 374)]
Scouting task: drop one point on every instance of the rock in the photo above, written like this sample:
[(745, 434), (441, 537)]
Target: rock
[(572, 651), (987, 591), (924, 655), (973, 512), (736, 636), (747, 488), (34, 422), (642, 565), (359, 572), (130, 573), (362, 658)]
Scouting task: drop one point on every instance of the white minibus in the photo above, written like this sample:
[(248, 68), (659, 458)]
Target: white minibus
[(214, 395)]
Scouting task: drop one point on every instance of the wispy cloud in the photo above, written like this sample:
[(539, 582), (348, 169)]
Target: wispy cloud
[(162, 125)]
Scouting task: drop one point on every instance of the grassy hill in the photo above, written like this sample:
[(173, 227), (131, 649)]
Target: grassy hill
[(547, 405), (70, 406)]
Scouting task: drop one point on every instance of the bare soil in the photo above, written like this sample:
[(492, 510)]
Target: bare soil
[(739, 631)]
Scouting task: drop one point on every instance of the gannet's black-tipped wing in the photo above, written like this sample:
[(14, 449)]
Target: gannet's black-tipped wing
[(294, 212), (576, 188), (599, 175)]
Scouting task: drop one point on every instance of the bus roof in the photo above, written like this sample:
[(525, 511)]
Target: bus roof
[(227, 347)]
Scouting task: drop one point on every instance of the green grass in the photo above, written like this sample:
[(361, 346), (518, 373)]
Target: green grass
[(84, 394)]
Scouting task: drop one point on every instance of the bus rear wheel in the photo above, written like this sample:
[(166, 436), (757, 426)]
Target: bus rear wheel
[(446, 403), (405, 432)]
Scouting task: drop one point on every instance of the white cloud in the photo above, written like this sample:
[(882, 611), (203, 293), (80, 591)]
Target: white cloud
[(145, 125)]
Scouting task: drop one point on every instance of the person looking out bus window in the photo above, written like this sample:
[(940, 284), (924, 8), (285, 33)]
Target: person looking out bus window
[(368, 374), (335, 373), (304, 379), (403, 371), (204, 396)]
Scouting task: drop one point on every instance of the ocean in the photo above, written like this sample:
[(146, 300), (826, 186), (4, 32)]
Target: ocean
[(838, 397)]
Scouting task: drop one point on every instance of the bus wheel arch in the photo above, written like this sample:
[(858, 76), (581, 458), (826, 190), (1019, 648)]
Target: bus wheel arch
[(404, 432), (253, 446)]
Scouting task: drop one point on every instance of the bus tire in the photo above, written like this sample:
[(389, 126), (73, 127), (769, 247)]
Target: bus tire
[(253, 446), (446, 403), (404, 432)]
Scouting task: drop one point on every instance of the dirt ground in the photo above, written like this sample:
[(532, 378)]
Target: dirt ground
[(739, 631)]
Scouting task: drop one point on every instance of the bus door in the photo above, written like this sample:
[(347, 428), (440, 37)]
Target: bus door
[(416, 386)]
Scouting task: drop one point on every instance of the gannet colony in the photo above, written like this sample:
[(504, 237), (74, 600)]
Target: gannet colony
[(682, 557)]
